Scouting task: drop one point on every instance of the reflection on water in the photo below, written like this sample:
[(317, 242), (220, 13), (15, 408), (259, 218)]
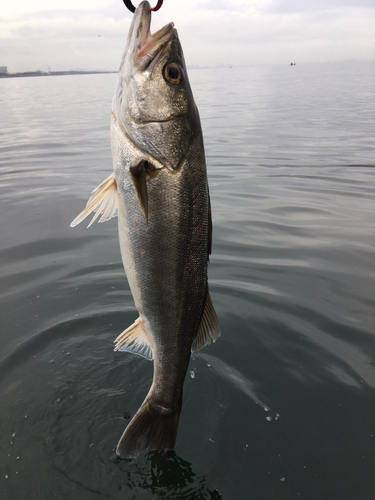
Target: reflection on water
[(292, 180)]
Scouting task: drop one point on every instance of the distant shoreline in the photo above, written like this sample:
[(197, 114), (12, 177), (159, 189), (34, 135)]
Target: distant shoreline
[(52, 73)]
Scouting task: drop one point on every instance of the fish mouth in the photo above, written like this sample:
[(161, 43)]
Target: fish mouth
[(146, 47)]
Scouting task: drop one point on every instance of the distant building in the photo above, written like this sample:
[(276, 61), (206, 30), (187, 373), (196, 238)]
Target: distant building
[(3, 70)]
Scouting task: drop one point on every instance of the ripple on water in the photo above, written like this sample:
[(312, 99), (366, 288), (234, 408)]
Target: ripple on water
[(67, 390)]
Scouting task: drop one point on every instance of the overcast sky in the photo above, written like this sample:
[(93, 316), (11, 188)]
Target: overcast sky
[(91, 34)]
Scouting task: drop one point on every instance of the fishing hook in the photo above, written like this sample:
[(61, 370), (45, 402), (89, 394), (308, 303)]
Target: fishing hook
[(131, 7)]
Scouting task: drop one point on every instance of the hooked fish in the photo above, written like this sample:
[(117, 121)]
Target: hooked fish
[(159, 190)]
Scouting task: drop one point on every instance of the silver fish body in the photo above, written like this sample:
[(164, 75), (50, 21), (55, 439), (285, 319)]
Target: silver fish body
[(160, 190)]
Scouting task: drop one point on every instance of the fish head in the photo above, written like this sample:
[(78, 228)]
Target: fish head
[(153, 103)]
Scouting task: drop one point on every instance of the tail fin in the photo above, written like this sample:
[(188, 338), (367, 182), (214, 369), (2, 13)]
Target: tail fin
[(152, 428)]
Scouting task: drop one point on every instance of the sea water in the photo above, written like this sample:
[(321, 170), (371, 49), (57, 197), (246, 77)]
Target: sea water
[(282, 406)]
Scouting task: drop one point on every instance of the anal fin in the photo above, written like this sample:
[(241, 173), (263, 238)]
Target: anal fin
[(209, 328), (134, 339), (103, 201)]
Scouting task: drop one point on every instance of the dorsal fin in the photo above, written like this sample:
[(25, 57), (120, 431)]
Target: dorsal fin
[(209, 328), (209, 242), (103, 201)]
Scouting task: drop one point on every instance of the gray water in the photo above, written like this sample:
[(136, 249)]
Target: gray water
[(283, 405)]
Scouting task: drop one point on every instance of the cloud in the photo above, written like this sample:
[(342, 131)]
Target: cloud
[(64, 39), (92, 34), (298, 6), (222, 5), (276, 37)]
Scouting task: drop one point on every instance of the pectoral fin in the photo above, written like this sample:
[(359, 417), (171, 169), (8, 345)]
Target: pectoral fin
[(209, 329), (103, 201), (140, 184), (134, 339)]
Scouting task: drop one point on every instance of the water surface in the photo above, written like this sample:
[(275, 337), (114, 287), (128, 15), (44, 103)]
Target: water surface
[(282, 406)]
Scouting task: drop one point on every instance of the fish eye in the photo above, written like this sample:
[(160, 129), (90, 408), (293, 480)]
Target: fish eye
[(173, 73)]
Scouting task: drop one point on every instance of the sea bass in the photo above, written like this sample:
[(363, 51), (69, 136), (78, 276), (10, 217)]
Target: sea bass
[(159, 191)]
